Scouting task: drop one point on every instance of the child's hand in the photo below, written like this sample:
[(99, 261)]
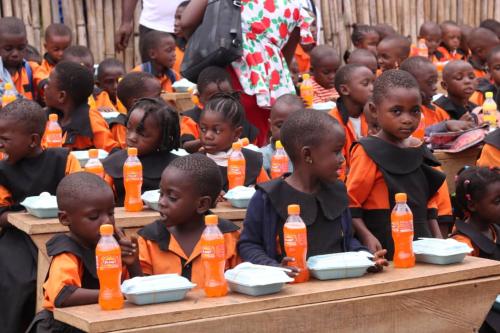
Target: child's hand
[(129, 247), (372, 243), (294, 270), (458, 125), (468, 117), (380, 262)]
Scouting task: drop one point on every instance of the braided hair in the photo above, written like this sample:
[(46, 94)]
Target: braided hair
[(471, 184), (229, 106)]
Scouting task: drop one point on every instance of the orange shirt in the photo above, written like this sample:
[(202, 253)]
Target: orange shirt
[(433, 114), (477, 98), (165, 81), (119, 133), (41, 74), (179, 56), (303, 59), (490, 156), (102, 100), (189, 127), (23, 82), (447, 56)]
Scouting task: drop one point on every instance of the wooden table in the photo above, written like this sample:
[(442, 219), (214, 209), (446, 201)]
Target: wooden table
[(41, 230), (451, 163), (426, 298)]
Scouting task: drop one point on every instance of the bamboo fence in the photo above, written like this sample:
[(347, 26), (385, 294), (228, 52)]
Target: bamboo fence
[(94, 22)]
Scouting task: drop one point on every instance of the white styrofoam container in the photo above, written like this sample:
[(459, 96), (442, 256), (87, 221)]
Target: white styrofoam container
[(83, 156), (440, 251), (151, 199), (339, 265), (43, 206), (239, 197), (256, 280)]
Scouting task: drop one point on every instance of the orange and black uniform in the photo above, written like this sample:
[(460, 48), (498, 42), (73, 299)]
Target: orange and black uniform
[(443, 54), (118, 128), (101, 98), (153, 165), (454, 111), (166, 79), (179, 56), (41, 74), (303, 59), (161, 253), (479, 70), (490, 155), (18, 254), (23, 81), (378, 171), (433, 114), (189, 129)]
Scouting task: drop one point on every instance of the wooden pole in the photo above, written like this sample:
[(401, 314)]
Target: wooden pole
[(18, 12), (100, 31), (394, 14), (460, 12), (80, 23), (92, 27), (28, 23), (477, 13), (348, 22), (327, 24), (491, 4), (387, 12), (434, 11), (420, 15), (68, 9), (118, 18), (453, 10), (56, 16), (109, 30), (380, 11), (372, 11), (497, 10), (406, 31), (136, 51), (413, 23)]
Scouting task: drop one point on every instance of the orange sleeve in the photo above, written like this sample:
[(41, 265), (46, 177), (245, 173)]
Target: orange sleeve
[(443, 201), (361, 178), (442, 114), (72, 164), (5, 197), (189, 127), (231, 241), (145, 256), (41, 73), (263, 177), (466, 240), (490, 156), (119, 133), (103, 139)]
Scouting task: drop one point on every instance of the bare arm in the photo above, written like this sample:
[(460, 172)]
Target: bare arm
[(82, 296), (289, 49), (192, 16), (127, 26), (365, 235), (434, 227)]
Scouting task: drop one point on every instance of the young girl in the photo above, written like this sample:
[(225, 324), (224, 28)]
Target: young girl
[(152, 128), (316, 155), (220, 125), (364, 37)]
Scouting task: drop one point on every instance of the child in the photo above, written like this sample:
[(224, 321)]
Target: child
[(364, 58), (431, 32), (72, 277), (80, 55), (152, 128), (458, 81), (27, 171), (284, 106), (464, 47), (109, 72), (316, 155), (13, 44), (392, 161), (221, 125), (160, 46), (324, 64), (481, 41), (188, 189), (491, 83), (492, 25), (384, 30), (66, 94), (450, 42), (392, 51), (180, 39), (365, 37), (490, 154)]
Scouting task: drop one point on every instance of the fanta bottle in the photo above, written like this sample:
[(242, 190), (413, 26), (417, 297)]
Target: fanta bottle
[(244, 142), (213, 256), (109, 269), (490, 111), (295, 239), (279, 161), (132, 179), (93, 165), (422, 49), (307, 90), (53, 132), (402, 233), (420, 131), (236, 167), (9, 95)]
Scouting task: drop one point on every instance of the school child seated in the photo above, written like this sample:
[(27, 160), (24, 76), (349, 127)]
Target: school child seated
[(431, 32), (324, 64), (478, 195), (390, 162), (490, 83), (220, 125), (19, 72), (109, 72), (490, 154), (66, 94), (80, 55), (72, 277), (392, 51), (180, 39), (152, 128), (160, 47), (57, 38), (27, 171), (481, 41), (365, 37), (189, 188), (451, 35), (316, 155), (284, 106), (363, 57)]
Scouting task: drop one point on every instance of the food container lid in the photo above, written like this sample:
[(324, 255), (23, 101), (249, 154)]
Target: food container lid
[(151, 196), (251, 275), (325, 106), (440, 247), (240, 192), (340, 260), (155, 283), (84, 154), (183, 83), (110, 115), (42, 201)]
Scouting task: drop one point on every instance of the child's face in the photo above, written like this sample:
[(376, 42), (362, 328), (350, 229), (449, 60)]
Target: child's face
[(55, 46), (461, 83), (177, 22), (324, 72), (12, 49), (164, 54), (359, 87), (483, 51), (451, 37), (108, 80), (427, 78), (279, 113), (145, 138), (84, 61), (370, 41), (327, 157), (494, 67), (432, 39), (398, 115), (216, 133), (15, 141), (387, 56), (214, 88), (488, 207), (54, 97)]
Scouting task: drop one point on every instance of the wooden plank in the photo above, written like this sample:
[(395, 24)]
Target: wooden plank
[(35, 16), (46, 14), (56, 16), (117, 12), (109, 30), (92, 28), (196, 306), (7, 9), (380, 11), (460, 12), (413, 21), (497, 10), (68, 8), (420, 15), (28, 21), (453, 10), (434, 11), (100, 31), (80, 23)]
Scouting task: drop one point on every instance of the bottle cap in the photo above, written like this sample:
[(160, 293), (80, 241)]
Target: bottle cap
[(106, 229), (244, 142), (211, 220), (132, 151), (53, 117), (400, 197), (306, 76), (93, 153), (8, 86), (278, 144), (236, 145), (489, 94), (293, 209)]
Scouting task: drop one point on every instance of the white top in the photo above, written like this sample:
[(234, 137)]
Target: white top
[(159, 14), (356, 123)]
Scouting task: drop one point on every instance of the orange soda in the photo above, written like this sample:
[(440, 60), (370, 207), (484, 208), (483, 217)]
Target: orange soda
[(109, 269), (93, 165), (402, 233), (307, 90), (279, 161), (53, 132), (9, 95), (213, 256), (295, 239), (490, 111), (236, 167), (132, 179)]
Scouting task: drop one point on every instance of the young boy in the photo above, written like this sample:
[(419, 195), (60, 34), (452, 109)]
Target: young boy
[(391, 162), (392, 51), (15, 69), (72, 278), (80, 55), (284, 106), (180, 39), (109, 72), (160, 46), (481, 41), (431, 32), (450, 42), (363, 57), (189, 187), (27, 171), (66, 94), (484, 84), (324, 63)]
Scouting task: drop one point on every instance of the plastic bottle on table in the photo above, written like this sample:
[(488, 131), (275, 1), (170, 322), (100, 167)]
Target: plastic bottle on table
[(422, 49), (132, 179), (53, 132), (9, 94), (109, 269), (295, 239), (236, 167), (213, 257), (307, 90), (490, 111), (279, 161), (402, 233), (93, 165)]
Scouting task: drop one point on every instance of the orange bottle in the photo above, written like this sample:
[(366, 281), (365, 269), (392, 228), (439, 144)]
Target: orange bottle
[(279, 161), (236, 167), (402, 233), (244, 142), (213, 256), (93, 165), (307, 90), (53, 132), (295, 239), (109, 269), (132, 179), (9, 95)]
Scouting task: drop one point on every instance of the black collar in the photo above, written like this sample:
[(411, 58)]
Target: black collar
[(63, 243), (478, 66), (79, 124), (481, 241), (153, 164), (455, 111), (344, 114), (49, 59)]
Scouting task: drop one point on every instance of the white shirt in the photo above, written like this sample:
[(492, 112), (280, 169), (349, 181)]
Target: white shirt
[(356, 123), (159, 14)]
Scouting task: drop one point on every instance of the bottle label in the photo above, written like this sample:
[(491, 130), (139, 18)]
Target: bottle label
[(402, 226), (108, 262), (133, 176), (213, 251), (295, 240)]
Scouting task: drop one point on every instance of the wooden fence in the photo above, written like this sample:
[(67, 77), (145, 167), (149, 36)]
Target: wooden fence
[(94, 22)]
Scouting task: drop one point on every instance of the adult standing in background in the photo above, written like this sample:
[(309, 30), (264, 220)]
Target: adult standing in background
[(156, 15)]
